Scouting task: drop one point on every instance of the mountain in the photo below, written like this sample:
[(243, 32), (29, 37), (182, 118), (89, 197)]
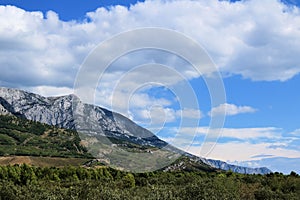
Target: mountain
[(106, 134), (60, 111)]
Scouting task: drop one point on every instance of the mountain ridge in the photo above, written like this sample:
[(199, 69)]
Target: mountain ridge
[(59, 111)]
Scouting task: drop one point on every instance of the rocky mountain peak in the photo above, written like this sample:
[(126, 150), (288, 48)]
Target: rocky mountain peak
[(70, 113)]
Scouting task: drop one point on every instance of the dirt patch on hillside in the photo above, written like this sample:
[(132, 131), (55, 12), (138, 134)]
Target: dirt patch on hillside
[(42, 161), (12, 160)]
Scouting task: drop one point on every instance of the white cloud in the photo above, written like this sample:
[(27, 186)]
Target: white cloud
[(158, 114), (237, 151), (295, 133), (189, 113), (230, 109), (35, 51), (257, 39), (244, 133), (183, 137), (49, 91), (142, 100)]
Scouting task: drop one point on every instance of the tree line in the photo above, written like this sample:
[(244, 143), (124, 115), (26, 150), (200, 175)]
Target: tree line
[(29, 182)]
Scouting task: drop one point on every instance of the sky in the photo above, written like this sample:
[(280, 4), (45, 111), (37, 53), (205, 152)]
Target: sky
[(253, 44)]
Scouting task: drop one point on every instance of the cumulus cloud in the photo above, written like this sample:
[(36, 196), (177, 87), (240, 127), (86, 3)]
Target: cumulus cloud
[(257, 39), (230, 109), (159, 115), (33, 50)]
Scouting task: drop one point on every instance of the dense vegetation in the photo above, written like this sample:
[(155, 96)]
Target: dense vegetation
[(26, 182), (24, 137)]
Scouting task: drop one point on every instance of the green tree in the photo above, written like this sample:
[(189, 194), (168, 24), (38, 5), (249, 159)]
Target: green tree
[(27, 174), (128, 181)]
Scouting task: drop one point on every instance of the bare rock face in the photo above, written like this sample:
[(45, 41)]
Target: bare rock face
[(52, 111), (70, 113)]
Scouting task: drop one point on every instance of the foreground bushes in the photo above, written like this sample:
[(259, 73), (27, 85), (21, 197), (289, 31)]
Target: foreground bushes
[(26, 182)]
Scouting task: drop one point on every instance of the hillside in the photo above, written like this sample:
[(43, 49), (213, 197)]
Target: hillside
[(34, 143), (23, 137)]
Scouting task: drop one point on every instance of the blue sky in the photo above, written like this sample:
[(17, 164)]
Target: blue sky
[(254, 44), (68, 9)]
